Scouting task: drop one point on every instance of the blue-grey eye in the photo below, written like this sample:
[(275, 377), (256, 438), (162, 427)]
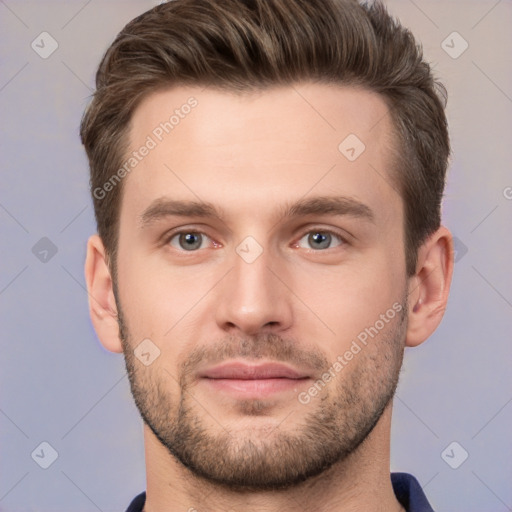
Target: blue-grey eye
[(187, 241), (319, 240)]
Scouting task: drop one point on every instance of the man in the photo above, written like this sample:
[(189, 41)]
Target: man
[(267, 178)]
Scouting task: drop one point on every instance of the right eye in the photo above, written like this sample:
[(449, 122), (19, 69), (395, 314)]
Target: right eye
[(188, 240)]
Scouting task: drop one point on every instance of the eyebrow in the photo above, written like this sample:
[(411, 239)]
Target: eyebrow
[(321, 205), (329, 205), (163, 207)]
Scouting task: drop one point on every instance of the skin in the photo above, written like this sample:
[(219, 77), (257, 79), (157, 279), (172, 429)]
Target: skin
[(251, 156)]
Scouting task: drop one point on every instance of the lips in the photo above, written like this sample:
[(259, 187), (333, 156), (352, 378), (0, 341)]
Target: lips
[(244, 371), (253, 381)]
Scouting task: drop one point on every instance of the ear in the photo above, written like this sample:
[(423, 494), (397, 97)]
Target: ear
[(102, 304), (430, 286)]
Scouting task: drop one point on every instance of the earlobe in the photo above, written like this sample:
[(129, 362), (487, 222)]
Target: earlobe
[(430, 286), (102, 305)]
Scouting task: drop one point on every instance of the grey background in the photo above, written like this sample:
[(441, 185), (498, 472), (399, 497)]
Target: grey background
[(58, 385)]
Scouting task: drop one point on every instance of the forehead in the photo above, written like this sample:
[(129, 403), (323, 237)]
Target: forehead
[(267, 146)]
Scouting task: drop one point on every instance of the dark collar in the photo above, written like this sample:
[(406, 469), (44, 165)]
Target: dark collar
[(407, 491)]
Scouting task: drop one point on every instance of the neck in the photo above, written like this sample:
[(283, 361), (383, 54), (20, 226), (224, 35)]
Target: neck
[(359, 482)]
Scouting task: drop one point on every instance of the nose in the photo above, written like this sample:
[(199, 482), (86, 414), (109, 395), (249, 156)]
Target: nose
[(254, 298)]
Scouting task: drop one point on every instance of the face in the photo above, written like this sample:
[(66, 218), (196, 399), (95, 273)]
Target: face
[(266, 266)]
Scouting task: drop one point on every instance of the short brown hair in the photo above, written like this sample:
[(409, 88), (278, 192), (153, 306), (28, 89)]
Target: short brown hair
[(245, 45)]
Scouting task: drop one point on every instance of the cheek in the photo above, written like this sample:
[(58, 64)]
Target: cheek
[(160, 300), (344, 300)]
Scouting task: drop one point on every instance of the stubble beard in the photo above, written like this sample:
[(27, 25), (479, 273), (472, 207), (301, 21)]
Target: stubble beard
[(325, 431)]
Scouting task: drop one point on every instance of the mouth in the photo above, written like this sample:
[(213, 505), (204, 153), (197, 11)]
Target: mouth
[(253, 381)]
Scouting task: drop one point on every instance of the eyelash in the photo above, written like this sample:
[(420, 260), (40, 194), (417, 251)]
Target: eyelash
[(342, 239)]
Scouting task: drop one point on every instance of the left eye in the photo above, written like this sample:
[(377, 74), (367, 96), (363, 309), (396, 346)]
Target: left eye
[(188, 241), (319, 240)]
